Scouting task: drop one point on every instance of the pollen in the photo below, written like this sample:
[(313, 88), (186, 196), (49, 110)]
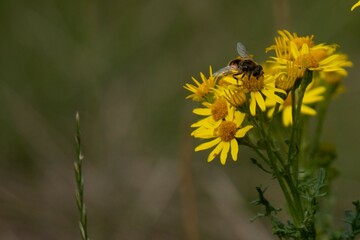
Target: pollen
[(253, 84), (226, 131), (219, 109), (306, 61)]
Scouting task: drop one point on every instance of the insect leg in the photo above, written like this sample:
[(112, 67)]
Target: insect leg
[(236, 77)]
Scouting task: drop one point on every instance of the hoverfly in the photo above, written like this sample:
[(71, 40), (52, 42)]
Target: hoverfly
[(241, 65)]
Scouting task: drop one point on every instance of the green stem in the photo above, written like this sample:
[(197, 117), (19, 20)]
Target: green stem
[(286, 172), (282, 174), (293, 154), (314, 146), (287, 188), (80, 183)]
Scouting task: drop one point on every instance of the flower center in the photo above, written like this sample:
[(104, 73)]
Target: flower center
[(252, 84), (219, 109), (306, 61), (203, 89), (226, 131)]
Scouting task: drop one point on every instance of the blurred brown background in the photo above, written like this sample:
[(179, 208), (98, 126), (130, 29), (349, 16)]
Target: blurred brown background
[(122, 64)]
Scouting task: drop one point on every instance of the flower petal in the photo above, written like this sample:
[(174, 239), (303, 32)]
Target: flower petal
[(271, 95), (355, 6), (206, 122), (315, 91), (307, 110), (208, 145), (242, 131), (215, 152), (239, 118), (204, 133), (252, 104), (230, 116), (294, 50), (304, 49), (224, 152), (202, 111), (260, 101), (270, 112), (196, 82), (234, 149), (287, 116), (314, 99)]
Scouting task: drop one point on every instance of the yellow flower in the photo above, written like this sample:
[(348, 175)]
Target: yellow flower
[(307, 58), (257, 88), (234, 94), (225, 132), (284, 78), (201, 90), (355, 6), (213, 112), (295, 55), (283, 42), (312, 95), (335, 64)]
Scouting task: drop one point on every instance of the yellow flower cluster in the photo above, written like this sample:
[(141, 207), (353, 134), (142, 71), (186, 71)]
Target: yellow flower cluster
[(233, 96), (221, 122), (293, 56)]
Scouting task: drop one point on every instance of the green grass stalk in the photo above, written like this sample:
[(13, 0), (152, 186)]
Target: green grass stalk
[(79, 194)]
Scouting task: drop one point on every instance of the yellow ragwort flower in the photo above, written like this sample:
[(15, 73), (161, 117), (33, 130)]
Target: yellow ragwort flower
[(201, 90), (282, 43), (311, 95), (234, 94), (225, 132), (295, 55), (285, 78), (355, 6), (257, 88), (213, 112)]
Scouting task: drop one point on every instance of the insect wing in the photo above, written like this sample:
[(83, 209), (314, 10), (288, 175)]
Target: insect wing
[(241, 49), (223, 71)]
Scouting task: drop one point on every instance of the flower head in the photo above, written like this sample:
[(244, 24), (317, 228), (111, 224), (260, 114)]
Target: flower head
[(295, 55), (225, 132), (258, 90), (201, 90), (283, 42), (213, 112)]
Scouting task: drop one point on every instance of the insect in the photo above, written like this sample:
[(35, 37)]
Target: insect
[(241, 65)]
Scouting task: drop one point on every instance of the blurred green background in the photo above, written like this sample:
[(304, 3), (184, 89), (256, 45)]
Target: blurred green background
[(122, 64)]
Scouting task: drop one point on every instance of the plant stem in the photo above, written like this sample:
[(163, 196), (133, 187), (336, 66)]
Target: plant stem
[(314, 146), (282, 174), (80, 182), (292, 175), (293, 154)]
